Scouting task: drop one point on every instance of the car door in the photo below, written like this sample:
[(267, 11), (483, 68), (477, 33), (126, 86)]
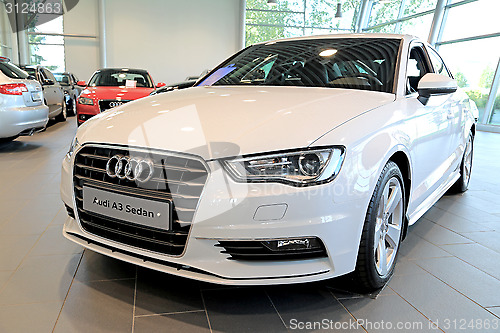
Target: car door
[(78, 89), (455, 112), (48, 92), (430, 124), (57, 94)]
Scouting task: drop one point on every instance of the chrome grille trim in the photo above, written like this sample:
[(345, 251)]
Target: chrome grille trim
[(178, 179)]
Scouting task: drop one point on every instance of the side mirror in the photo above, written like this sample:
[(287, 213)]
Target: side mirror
[(81, 84), (432, 84), (48, 82), (160, 84)]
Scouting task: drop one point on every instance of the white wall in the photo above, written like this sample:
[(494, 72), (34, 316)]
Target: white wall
[(170, 38), (82, 54)]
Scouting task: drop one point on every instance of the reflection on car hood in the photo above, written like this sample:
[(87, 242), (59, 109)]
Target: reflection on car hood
[(117, 93), (216, 122)]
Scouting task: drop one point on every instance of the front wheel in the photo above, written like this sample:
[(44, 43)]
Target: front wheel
[(382, 230), (72, 107), (462, 184)]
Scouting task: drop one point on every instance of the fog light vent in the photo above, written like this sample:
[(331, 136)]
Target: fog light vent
[(274, 249)]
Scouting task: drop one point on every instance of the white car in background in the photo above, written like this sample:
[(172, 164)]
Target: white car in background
[(22, 111), (294, 160)]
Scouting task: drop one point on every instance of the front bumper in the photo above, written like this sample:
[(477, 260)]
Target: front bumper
[(229, 211), (85, 112), (20, 120)]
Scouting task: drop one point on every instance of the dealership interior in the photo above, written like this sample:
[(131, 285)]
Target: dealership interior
[(447, 276)]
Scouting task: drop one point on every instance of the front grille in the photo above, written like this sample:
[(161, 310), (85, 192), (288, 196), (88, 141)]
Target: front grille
[(176, 179), (256, 250), (107, 104)]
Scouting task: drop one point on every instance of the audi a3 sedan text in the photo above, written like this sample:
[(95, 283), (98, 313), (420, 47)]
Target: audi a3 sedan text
[(22, 111), (294, 160), (112, 87), (53, 93)]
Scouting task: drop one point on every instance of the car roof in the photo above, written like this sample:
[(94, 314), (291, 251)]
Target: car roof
[(338, 36), (122, 69)]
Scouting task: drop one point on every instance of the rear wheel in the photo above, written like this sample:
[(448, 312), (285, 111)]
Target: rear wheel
[(64, 113), (382, 230), (462, 184)]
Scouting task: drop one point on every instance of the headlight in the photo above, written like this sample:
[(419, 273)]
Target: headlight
[(85, 101), (301, 168), (74, 146)]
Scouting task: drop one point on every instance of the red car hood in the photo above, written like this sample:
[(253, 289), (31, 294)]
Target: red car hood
[(116, 93)]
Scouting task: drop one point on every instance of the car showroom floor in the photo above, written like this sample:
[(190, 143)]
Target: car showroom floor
[(448, 271)]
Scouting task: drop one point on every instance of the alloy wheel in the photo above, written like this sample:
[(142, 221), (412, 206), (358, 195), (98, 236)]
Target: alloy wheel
[(388, 226), (467, 166)]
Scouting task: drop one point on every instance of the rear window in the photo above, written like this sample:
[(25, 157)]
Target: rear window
[(63, 79), (12, 71)]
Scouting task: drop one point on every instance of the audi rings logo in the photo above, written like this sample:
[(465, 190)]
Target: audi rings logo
[(115, 104), (131, 168)]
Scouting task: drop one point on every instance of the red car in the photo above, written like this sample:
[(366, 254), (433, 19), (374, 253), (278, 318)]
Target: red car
[(111, 87)]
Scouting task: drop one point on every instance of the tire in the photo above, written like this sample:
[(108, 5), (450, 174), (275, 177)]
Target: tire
[(462, 183), (64, 113), (382, 230), (71, 107)]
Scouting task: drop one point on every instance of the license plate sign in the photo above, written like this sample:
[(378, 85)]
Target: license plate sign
[(145, 212), (36, 96)]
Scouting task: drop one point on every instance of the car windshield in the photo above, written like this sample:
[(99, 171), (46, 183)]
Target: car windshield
[(117, 78), (12, 71), (63, 79), (351, 63)]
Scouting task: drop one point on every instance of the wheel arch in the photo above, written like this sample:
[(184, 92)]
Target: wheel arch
[(403, 163)]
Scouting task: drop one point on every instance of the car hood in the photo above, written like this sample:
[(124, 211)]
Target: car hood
[(217, 122), (116, 93)]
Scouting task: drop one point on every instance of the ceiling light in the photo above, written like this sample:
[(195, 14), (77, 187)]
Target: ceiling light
[(338, 14), (272, 2), (327, 53)]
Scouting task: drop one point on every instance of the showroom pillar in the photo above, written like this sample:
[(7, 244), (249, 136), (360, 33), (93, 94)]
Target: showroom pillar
[(241, 35), (364, 15), (437, 21), (102, 34), (493, 94), (22, 40)]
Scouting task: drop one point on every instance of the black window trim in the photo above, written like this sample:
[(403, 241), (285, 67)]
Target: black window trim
[(427, 62)]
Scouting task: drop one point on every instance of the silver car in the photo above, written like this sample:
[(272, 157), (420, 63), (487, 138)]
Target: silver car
[(22, 111)]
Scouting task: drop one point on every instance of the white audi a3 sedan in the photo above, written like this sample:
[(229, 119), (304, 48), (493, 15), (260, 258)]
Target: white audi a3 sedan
[(22, 111), (294, 160)]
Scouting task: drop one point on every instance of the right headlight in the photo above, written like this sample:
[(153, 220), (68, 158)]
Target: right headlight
[(299, 168), (85, 101)]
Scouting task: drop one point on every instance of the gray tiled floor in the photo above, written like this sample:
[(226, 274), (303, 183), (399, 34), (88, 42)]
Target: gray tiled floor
[(448, 272)]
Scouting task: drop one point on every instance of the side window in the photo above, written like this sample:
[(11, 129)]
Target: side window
[(41, 75), (49, 75), (417, 67), (437, 63)]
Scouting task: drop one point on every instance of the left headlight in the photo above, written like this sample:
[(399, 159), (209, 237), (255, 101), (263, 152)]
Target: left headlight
[(298, 168), (74, 146)]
